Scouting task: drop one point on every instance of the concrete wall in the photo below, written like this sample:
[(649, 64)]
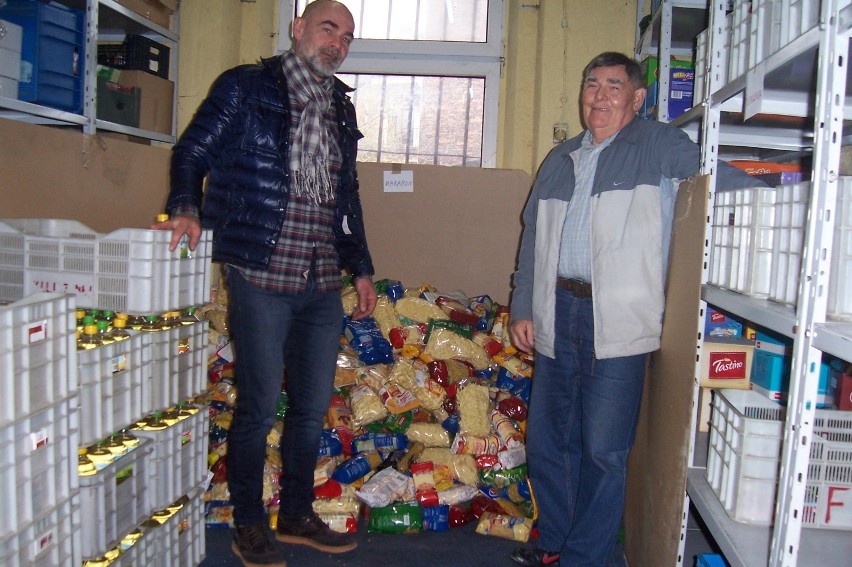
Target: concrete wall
[(547, 44)]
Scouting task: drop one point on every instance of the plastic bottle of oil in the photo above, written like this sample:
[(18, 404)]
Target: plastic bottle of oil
[(89, 338), (119, 330), (85, 466), (104, 332), (152, 323)]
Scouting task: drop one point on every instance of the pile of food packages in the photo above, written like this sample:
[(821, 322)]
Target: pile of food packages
[(425, 430)]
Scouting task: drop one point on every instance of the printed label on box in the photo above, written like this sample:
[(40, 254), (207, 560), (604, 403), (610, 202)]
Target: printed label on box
[(727, 365)]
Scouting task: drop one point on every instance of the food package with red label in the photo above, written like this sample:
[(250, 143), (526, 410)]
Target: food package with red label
[(726, 362)]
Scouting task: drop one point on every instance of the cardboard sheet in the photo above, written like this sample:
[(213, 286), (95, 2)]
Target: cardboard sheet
[(656, 484), (457, 228)]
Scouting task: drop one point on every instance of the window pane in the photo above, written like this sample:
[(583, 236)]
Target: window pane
[(419, 119), (423, 20)]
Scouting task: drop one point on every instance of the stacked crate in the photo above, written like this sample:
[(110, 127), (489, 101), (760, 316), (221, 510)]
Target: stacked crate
[(744, 458), (758, 239), (39, 424), (122, 389)]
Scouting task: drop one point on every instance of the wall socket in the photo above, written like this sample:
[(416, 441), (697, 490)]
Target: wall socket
[(560, 133)]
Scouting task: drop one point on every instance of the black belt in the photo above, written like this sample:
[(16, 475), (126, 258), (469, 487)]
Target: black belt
[(578, 288)]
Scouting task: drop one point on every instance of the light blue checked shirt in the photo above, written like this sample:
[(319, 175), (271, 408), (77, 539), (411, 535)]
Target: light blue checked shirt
[(575, 251)]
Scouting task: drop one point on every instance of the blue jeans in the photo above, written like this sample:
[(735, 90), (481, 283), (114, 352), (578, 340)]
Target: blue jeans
[(271, 331), (581, 425)]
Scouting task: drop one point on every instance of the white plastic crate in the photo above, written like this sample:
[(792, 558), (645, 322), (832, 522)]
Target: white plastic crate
[(37, 345), (744, 454), (128, 270), (38, 464), (178, 368), (179, 458), (11, 264), (743, 235), (840, 278), (791, 211), (179, 541), (740, 36), (701, 62), (115, 500), (52, 539), (111, 386), (828, 497)]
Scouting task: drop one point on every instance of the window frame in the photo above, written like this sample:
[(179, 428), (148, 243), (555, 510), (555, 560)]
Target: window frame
[(431, 58)]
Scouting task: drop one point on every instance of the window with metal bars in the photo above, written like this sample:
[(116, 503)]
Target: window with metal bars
[(426, 74)]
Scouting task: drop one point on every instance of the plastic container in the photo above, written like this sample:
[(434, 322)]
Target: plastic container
[(37, 349), (743, 459), (112, 378), (179, 458), (51, 539), (743, 235), (840, 279), (128, 270), (137, 52), (52, 53), (178, 368), (115, 500), (38, 465), (180, 539), (791, 208)]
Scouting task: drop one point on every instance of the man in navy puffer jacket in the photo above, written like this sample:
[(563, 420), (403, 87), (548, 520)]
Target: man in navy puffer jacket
[(277, 143)]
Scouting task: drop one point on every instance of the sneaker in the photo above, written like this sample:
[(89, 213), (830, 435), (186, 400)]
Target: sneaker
[(534, 557), (255, 548), (312, 531)]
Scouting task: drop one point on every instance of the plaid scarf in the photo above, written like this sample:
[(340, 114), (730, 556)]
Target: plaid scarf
[(309, 147)]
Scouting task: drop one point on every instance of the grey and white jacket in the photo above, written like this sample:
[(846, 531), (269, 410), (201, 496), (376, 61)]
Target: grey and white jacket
[(632, 205)]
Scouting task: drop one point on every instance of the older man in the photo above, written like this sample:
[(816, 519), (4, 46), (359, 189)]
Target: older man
[(277, 142), (588, 298)]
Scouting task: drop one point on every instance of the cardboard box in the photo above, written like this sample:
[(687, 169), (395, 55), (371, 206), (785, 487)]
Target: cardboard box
[(158, 11), (681, 85), (117, 104), (726, 363), (156, 102), (719, 324), (841, 384)]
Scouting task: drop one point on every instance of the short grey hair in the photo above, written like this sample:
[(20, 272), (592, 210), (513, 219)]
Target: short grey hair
[(613, 59)]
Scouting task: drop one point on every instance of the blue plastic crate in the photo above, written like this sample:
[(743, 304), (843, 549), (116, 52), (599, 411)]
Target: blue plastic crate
[(710, 560), (52, 53)]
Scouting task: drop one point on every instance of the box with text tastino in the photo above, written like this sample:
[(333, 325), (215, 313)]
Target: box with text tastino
[(726, 363)]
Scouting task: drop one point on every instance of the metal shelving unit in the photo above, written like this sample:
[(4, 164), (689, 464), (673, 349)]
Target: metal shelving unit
[(663, 39), (106, 20), (782, 92)]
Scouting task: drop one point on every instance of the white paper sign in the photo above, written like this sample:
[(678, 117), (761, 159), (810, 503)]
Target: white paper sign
[(399, 181), (754, 91)]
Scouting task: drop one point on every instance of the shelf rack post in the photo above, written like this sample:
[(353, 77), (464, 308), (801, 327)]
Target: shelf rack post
[(813, 287)]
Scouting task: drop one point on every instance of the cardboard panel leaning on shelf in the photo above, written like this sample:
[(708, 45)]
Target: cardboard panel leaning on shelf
[(37, 349), (38, 473), (129, 270), (52, 53), (11, 36)]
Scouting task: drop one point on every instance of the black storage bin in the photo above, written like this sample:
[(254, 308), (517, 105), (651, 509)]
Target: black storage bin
[(137, 52)]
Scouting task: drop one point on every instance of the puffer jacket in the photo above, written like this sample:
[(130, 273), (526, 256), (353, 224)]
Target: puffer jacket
[(240, 140)]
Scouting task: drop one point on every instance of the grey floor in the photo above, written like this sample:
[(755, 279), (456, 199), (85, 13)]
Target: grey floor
[(458, 547)]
